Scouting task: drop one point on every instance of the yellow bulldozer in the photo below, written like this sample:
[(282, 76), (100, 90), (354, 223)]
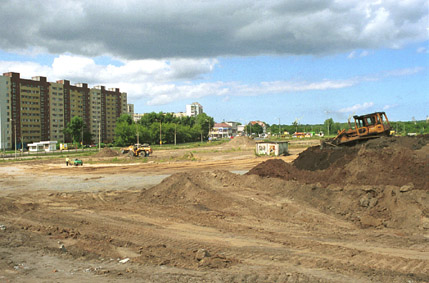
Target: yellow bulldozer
[(137, 150), (368, 126)]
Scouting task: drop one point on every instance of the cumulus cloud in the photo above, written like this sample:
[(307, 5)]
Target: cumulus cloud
[(389, 106), (164, 81), (355, 54), (422, 50), (357, 108), (147, 29)]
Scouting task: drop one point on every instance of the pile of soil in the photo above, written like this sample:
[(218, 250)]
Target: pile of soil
[(398, 161), (241, 141), (192, 188), (107, 152), (204, 193)]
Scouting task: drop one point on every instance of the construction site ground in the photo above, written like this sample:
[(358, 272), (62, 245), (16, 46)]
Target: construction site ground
[(221, 214)]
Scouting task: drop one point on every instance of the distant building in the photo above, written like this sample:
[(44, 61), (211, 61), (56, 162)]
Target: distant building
[(137, 116), (194, 109), (130, 109), (234, 127), (221, 130), (179, 114), (241, 129), (33, 110)]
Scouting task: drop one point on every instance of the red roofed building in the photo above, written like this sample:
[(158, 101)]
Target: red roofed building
[(221, 130)]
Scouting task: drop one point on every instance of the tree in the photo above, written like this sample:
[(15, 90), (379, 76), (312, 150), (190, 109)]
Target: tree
[(75, 129), (125, 134), (148, 127), (125, 118), (328, 125), (254, 129), (296, 123), (204, 122)]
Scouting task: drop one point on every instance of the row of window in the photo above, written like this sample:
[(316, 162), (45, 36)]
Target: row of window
[(32, 137), (30, 126), (30, 97), (29, 91), (30, 108), (29, 114), (30, 102)]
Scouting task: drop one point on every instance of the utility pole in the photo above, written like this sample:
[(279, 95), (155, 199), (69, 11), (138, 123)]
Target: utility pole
[(138, 136), (99, 135), (14, 125), (81, 142), (208, 135), (279, 128), (160, 133), (175, 133)]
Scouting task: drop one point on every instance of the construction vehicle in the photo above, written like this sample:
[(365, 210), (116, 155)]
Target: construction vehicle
[(368, 126), (137, 150)]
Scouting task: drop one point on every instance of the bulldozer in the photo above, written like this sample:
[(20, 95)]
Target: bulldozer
[(368, 126), (137, 150)]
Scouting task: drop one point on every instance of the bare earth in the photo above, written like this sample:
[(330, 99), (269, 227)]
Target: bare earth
[(194, 215)]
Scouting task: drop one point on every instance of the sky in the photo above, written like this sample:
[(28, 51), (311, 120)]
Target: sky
[(273, 61)]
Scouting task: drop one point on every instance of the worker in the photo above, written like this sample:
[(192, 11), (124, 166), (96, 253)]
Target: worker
[(67, 161)]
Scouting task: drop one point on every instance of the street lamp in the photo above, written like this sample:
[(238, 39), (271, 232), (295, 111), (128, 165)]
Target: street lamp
[(81, 141), (11, 120), (208, 133), (137, 130), (175, 133), (99, 135)]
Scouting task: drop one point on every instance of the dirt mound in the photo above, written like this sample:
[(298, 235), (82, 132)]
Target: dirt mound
[(397, 161), (367, 206), (413, 143), (107, 152), (315, 158), (240, 141), (200, 189)]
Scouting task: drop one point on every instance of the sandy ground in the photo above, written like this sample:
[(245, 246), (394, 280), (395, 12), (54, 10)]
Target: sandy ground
[(190, 220)]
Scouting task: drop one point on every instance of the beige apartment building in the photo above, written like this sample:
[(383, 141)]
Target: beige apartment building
[(37, 110)]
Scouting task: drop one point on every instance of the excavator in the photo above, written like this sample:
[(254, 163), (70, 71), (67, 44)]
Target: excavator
[(137, 150), (368, 126)]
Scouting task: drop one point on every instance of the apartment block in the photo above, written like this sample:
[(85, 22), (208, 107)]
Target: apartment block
[(130, 109), (5, 113), (194, 109), (37, 110)]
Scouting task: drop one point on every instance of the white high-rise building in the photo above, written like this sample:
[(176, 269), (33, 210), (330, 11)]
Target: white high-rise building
[(193, 109)]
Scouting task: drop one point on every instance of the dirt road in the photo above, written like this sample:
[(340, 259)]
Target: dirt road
[(192, 221)]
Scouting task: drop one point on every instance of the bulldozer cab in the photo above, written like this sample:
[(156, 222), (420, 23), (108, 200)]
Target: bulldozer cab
[(374, 123)]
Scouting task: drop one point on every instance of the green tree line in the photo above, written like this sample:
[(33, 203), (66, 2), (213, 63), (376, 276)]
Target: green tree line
[(154, 127), (330, 127)]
